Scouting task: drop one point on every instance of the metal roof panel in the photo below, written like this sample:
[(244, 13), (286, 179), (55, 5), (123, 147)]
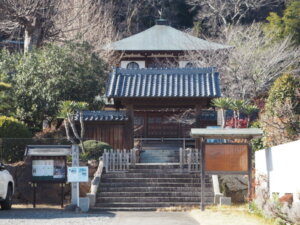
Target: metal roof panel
[(163, 38)]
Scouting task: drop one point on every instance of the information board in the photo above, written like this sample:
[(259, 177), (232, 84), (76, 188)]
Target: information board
[(48, 169), (78, 174), (226, 157)]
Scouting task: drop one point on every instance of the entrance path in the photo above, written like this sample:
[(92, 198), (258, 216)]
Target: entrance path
[(227, 217), (61, 217), (154, 218), (27, 216)]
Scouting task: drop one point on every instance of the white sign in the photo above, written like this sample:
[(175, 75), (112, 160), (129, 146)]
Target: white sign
[(78, 174), (42, 168)]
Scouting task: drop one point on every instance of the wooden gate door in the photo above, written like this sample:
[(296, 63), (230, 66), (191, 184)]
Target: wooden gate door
[(158, 126), (154, 126)]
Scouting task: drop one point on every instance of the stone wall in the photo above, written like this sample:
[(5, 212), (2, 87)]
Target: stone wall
[(234, 186)]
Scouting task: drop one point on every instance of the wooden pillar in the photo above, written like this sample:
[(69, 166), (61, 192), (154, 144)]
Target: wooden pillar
[(129, 132), (198, 109), (249, 172)]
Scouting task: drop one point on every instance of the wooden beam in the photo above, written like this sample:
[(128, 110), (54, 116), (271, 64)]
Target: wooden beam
[(222, 133), (164, 102)]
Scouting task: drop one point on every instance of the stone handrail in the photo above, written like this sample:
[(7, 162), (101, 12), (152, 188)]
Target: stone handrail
[(95, 183)]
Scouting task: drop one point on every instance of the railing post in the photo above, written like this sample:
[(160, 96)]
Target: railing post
[(196, 160), (181, 158), (127, 158), (134, 156), (189, 160), (120, 159), (113, 161), (106, 160)]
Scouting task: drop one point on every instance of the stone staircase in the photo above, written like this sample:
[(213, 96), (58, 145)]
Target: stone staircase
[(151, 186)]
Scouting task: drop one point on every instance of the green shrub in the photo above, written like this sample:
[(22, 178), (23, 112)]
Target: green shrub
[(285, 87), (94, 149), (257, 143), (14, 136), (280, 120)]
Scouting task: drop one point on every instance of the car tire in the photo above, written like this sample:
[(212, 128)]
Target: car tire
[(6, 204)]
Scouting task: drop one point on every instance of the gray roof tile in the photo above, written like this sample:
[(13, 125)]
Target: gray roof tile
[(170, 82), (102, 116)]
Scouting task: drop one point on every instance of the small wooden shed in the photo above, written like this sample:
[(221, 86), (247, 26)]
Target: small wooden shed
[(112, 127)]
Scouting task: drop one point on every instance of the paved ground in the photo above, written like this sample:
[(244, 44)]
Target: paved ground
[(226, 217), (60, 217)]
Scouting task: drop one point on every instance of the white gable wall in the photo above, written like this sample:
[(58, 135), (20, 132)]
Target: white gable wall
[(141, 63)]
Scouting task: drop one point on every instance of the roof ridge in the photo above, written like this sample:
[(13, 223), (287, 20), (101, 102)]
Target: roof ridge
[(125, 71)]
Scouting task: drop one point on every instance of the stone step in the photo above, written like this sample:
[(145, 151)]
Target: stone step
[(150, 175), (148, 199), (157, 160), (150, 204), (109, 209), (164, 151), (150, 189), (161, 154), (160, 148), (155, 166), (151, 186), (166, 171), (153, 180), (174, 157), (207, 185), (153, 194)]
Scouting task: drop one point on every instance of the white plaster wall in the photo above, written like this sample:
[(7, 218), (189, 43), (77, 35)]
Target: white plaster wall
[(281, 165), (182, 64), (125, 63)]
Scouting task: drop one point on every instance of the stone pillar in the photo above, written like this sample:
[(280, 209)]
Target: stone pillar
[(75, 186)]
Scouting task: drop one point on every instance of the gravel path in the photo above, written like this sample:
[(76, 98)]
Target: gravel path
[(61, 217)]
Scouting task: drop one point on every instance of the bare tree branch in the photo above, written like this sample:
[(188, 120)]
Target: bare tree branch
[(59, 20), (221, 13), (250, 67)]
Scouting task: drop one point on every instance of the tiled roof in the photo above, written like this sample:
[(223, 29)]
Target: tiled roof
[(170, 82), (102, 116)]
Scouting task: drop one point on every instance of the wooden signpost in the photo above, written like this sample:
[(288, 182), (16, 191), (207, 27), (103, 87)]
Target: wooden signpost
[(225, 158)]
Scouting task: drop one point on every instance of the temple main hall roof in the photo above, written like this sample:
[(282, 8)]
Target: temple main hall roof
[(163, 38)]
